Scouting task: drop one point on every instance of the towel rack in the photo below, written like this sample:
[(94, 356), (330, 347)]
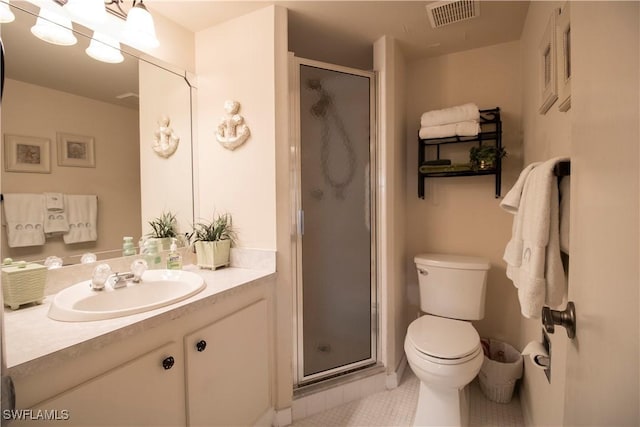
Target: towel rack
[(562, 169)]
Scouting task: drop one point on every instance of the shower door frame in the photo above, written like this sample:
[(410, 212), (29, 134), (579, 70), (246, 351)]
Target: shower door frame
[(297, 221)]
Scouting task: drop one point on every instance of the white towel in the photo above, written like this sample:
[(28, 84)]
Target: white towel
[(24, 217), (467, 128), (55, 217), (533, 258), (565, 197), (460, 113), (82, 214), (54, 202)]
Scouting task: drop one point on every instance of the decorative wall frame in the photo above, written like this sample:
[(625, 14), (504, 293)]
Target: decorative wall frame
[(563, 39), (232, 132), (27, 154), (76, 150), (547, 69), (165, 140)]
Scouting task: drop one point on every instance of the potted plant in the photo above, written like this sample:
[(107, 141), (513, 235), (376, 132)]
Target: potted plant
[(484, 157), (163, 228), (212, 241)]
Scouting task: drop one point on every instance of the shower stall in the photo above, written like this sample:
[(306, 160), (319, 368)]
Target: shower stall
[(334, 178)]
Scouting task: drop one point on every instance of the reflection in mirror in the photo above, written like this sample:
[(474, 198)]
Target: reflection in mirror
[(95, 123)]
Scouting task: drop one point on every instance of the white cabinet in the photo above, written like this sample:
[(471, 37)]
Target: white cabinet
[(227, 369), (141, 392), (221, 372)]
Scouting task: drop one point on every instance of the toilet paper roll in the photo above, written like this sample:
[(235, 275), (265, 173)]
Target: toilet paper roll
[(537, 353)]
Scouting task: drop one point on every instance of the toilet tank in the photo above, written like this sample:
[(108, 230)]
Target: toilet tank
[(452, 286)]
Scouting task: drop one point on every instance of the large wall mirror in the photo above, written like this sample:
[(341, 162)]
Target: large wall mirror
[(58, 99)]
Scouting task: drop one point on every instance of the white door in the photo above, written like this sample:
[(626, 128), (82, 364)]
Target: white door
[(602, 383)]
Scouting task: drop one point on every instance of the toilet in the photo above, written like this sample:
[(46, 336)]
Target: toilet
[(442, 347)]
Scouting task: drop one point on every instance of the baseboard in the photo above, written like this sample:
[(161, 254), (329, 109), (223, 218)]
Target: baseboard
[(266, 419), (393, 379), (283, 417)]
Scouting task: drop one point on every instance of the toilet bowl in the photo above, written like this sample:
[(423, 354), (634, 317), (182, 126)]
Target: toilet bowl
[(442, 347), (445, 355)]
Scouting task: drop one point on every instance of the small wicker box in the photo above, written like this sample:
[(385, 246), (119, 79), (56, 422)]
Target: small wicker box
[(23, 283)]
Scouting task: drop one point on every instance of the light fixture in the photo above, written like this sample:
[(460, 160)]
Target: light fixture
[(6, 15), (104, 48), (92, 11), (53, 28), (139, 30)]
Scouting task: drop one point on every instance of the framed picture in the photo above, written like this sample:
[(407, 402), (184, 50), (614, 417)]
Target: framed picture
[(548, 77), (76, 150), (563, 39), (27, 154)]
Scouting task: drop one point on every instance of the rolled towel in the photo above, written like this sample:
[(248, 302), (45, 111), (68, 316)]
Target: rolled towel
[(460, 113), (468, 128)]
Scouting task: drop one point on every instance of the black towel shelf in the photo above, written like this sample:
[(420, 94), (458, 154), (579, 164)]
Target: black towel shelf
[(491, 131), (562, 169)]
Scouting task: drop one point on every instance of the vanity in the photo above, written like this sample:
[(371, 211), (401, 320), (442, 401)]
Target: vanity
[(206, 360)]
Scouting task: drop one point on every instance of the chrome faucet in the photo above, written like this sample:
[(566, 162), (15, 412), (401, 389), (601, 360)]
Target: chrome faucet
[(119, 280)]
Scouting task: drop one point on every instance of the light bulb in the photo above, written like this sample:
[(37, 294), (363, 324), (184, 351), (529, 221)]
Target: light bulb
[(53, 28), (104, 48), (92, 11), (6, 15), (139, 30)]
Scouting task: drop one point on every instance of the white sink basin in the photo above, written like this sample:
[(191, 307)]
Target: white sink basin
[(158, 288)]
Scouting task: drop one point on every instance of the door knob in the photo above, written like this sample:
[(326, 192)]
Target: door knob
[(201, 345), (565, 318), (168, 362)]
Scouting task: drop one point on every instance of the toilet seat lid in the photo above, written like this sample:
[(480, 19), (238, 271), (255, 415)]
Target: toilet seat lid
[(443, 338)]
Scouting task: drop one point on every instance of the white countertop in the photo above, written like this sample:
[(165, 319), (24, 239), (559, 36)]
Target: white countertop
[(32, 338)]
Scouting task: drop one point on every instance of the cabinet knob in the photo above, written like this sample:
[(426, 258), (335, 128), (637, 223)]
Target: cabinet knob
[(201, 345), (168, 362)]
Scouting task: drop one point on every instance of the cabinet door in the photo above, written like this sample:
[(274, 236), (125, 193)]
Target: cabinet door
[(228, 376), (139, 393)]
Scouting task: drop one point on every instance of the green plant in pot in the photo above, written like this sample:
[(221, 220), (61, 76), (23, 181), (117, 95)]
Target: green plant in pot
[(163, 228), (212, 241), (485, 156)]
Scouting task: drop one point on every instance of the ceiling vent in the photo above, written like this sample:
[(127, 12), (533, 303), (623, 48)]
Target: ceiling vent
[(447, 12)]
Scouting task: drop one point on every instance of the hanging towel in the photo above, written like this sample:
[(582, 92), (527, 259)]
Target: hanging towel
[(565, 197), (24, 217), (55, 217), (82, 214), (533, 257), (467, 128), (54, 202), (460, 113), (511, 203)]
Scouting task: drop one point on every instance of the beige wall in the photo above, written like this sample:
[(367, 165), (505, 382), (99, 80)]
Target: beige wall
[(246, 59), (461, 215), (166, 183), (236, 61), (545, 136), (36, 111)]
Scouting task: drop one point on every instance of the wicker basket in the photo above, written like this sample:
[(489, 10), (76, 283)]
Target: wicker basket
[(500, 371), (23, 283)]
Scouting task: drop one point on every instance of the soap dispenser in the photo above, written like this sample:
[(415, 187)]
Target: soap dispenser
[(127, 246), (151, 254), (174, 259)]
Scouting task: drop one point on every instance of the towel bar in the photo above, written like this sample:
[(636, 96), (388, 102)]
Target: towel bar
[(562, 169)]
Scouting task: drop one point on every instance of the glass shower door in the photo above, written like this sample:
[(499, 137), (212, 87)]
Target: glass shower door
[(337, 293)]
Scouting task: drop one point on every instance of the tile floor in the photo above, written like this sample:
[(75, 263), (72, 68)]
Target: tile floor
[(396, 408)]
